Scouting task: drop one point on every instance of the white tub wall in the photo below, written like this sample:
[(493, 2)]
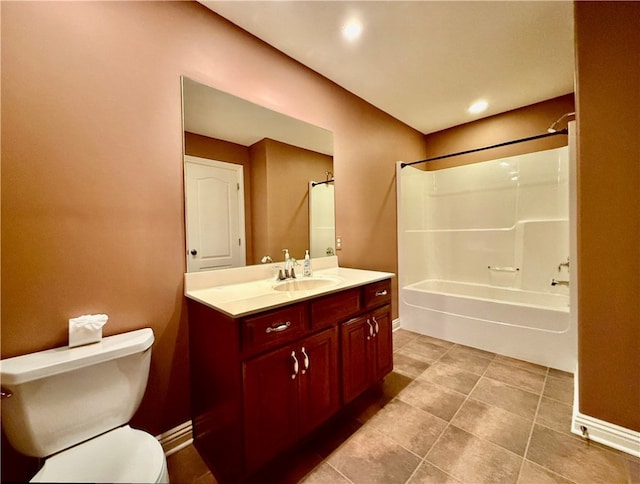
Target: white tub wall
[(456, 222), (477, 196), (412, 238), (465, 255), (414, 248), (543, 188), (545, 244)]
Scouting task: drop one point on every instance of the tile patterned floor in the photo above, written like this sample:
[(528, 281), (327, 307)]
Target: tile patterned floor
[(447, 414)]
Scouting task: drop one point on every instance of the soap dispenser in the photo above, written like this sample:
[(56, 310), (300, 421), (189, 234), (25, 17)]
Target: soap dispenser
[(307, 264)]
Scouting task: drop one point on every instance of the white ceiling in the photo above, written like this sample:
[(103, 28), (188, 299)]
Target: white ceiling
[(424, 62)]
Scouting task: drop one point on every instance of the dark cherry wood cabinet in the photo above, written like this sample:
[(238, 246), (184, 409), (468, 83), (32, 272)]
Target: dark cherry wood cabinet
[(366, 351), (261, 383), (288, 392)]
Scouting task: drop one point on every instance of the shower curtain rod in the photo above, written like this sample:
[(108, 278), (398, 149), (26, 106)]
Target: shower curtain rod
[(506, 143), (313, 184)]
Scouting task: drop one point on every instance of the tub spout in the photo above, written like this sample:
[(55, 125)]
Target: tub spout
[(555, 282)]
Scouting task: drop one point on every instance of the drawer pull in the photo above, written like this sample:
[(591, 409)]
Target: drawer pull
[(305, 361), (295, 365), (377, 326), (382, 293), (278, 328)]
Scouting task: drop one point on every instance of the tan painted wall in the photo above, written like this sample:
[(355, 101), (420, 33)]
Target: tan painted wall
[(519, 123), (608, 113), (284, 204), (92, 182)]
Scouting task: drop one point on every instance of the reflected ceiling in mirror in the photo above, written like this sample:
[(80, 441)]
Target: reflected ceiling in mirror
[(280, 156), (216, 114)]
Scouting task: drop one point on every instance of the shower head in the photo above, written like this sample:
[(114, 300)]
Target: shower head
[(552, 128)]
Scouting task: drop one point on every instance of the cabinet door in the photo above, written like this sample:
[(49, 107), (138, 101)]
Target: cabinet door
[(356, 372), (319, 389), (270, 405), (383, 359)]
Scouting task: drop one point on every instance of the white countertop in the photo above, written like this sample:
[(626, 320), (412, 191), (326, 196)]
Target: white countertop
[(247, 290)]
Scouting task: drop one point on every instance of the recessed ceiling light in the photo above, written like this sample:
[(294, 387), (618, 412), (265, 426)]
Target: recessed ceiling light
[(352, 30), (478, 106)]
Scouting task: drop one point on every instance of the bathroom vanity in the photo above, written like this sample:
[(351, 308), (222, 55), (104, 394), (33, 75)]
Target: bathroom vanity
[(271, 361)]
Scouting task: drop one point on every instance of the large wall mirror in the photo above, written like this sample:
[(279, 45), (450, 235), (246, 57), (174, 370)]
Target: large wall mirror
[(256, 182)]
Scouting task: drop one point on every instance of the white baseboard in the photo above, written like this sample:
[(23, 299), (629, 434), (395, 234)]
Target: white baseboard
[(176, 439), (395, 324), (606, 433)]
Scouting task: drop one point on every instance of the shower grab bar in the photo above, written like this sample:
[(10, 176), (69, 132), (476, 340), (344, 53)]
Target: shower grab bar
[(503, 269)]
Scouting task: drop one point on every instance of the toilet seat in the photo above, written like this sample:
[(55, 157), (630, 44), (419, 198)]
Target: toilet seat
[(120, 455)]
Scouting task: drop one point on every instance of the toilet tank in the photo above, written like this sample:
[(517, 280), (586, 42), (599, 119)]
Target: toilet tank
[(64, 396)]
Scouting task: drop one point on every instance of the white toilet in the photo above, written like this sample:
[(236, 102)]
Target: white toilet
[(76, 403)]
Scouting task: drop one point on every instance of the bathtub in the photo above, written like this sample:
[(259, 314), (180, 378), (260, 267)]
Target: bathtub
[(531, 326)]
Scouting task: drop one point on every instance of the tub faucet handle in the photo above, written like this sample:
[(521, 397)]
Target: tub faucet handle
[(563, 264)]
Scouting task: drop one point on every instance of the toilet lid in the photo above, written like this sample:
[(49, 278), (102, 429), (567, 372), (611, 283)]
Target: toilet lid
[(121, 455)]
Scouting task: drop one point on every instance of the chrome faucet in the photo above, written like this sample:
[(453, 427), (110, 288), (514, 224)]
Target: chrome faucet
[(288, 271), (554, 282)]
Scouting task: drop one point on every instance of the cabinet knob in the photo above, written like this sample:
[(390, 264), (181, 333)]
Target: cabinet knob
[(193, 251)]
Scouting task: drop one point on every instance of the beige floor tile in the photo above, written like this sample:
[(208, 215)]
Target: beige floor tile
[(471, 459), (186, 466), (407, 364), (560, 389), (401, 337), (519, 377), (206, 479), (507, 397), (560, 374), (634, 470), (494, 424), (533, 367), (466, 361), (368, 457), (411, 427), (429, 474), (458, 348), (423, 350), (575, 459), (555, 414), (436, 400), (435, 341), (451, 377), (325, 474), (534, 474)]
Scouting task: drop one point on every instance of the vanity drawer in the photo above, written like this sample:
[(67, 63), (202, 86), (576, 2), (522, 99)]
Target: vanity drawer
[(334, 308), (273, 328), (377, 294)]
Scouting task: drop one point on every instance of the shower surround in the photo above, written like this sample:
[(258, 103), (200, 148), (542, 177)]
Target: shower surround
[(479, 247)]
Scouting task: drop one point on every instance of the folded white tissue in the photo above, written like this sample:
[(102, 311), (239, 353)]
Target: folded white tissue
[(86, 329)]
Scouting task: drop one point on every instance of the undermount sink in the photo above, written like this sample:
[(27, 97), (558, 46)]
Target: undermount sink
[(306, 284)]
